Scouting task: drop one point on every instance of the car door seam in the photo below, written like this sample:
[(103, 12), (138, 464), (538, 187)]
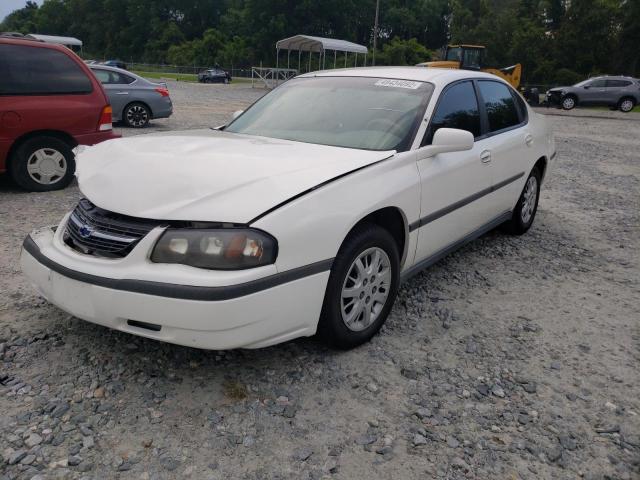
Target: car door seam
[(432, 217)]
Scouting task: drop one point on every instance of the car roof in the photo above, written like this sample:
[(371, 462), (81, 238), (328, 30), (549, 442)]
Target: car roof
[(423, 74), (32, 42), (613, 77), (438, 76)]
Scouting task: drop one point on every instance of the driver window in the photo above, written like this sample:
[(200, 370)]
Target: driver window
[(457, 108), (598, 84)]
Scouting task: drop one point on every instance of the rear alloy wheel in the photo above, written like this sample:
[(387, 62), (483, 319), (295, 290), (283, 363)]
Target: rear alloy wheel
[(362, 287), (568, 102), (137, 115), (626, 105), (527, 206), (43, 164)]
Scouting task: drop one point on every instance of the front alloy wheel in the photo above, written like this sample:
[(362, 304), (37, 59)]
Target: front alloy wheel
[(568, 103), (362, 287), (365, 289)]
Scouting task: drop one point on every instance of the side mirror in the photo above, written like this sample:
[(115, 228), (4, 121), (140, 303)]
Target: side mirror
[(236, 114), (447, 140), (587, 87)]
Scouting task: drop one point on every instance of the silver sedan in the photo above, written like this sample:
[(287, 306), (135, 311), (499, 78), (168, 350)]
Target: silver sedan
[(135, 100)]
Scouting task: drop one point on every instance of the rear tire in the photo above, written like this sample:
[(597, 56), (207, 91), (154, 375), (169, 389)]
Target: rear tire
[(362, 287), (136, 115), (527, 206), (626, 104), (42, 164)]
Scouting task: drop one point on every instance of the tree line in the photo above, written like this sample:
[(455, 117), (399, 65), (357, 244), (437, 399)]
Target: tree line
[(557, 41)]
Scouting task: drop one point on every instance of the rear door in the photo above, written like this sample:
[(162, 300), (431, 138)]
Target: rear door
[(616, 89), (454, 185), (508, 142)]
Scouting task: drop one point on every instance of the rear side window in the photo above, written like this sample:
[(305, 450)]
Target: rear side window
[(457, 108), (618, 83), (107, 77), (499, 104), (28, 70), (125, 79)]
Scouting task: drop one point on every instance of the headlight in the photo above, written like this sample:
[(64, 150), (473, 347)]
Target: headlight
[(216, 249)]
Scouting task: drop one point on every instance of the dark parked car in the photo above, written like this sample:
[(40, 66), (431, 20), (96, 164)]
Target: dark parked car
[(135, 100), (214, 75), (116, 63), (621, 93), (50, 102)]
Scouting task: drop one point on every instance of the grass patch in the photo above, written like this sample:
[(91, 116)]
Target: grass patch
[(180, 77), (635, 109)]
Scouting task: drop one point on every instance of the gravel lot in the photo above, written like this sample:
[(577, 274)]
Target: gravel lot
[(514, 358)]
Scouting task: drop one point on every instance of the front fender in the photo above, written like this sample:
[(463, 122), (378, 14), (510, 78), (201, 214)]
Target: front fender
[(312, 228)]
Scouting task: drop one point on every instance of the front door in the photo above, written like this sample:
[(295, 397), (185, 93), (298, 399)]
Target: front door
[(454, 185), (594, 92)]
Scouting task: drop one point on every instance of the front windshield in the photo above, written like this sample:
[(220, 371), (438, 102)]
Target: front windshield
[(454, 53), (353, 112), (584, 82)]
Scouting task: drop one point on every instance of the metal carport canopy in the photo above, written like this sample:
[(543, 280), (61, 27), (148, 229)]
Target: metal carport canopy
[(307, 43)]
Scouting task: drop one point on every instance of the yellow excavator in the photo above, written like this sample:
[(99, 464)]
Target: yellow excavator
[(471, 57)]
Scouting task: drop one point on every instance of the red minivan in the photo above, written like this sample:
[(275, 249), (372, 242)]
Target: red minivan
[(50, 102)]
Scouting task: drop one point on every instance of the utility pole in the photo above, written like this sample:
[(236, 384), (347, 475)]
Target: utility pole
[(375, 33)]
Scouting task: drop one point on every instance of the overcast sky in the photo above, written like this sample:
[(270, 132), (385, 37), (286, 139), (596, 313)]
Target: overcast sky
[(8, 6)]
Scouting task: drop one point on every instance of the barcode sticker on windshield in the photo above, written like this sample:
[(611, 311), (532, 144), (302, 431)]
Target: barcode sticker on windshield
[(385, 82)]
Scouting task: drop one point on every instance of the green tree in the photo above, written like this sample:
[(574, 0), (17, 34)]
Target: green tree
[(403, 52), (22, 20)]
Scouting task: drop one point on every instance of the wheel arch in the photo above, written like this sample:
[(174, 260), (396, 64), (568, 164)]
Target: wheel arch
[(541, 164), (394, 221), (630, 97), (60, 135)]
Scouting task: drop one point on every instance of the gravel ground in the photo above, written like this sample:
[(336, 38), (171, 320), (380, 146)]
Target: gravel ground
[(514, 358)]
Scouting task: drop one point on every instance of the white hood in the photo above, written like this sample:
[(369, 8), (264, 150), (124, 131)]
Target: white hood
[(207, 175)]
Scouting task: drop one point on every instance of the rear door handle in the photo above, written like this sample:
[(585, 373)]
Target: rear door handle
[(485, 156), (122, 93), (528, 139)]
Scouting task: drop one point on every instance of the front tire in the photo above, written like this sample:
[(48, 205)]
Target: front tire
[(136, 115), (569, 102), (362, 287), (42, 164), (527, 206)]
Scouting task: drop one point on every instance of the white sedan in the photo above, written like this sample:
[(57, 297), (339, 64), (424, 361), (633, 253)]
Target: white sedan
[(302, 215)]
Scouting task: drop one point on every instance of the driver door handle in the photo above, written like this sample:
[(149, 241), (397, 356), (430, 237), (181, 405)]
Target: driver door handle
[(485, 156), (122, 93)]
